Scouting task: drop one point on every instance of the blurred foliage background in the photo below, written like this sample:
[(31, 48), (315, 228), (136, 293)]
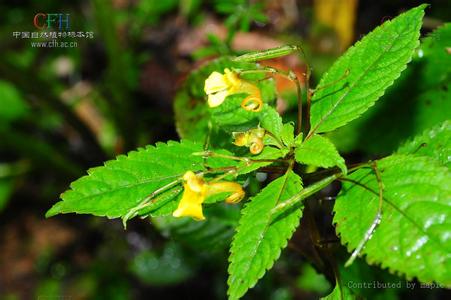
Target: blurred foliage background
[(64, 110)]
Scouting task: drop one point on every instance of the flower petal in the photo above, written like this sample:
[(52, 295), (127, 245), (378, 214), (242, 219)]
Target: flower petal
[(217, 98), (214, 83)]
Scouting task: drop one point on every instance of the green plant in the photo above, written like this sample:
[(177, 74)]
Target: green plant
[(393, 210)]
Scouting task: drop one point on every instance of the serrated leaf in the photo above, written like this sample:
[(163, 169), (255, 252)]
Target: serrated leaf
[(118, 186), (413, 235), (261, 235), (359, 77), (434, 143), (419, 99), (287, 134), (318, 151), (271, 121)]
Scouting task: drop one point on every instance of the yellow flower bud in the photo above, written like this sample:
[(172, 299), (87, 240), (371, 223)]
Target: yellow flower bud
[(241, 138), (252, 139), (256, 146)]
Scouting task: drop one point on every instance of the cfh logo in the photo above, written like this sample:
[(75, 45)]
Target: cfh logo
[(56, 21)]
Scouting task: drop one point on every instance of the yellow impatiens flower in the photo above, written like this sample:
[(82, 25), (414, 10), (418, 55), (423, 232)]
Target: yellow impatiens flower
[(252, 139), (218, 86), (196, 190)]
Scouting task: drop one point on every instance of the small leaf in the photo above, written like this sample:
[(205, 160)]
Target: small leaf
[(287, 134), (121, 184), (271, 121), (261, 235), (13, 105), (340, 292), (320, 152), (434, 143), (413, 235), (364, 72)]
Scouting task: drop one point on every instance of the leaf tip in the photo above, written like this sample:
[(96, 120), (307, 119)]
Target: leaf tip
[(54, 210)]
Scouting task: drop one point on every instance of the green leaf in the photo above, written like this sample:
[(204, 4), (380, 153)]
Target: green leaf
[(320, 152), (261, 234), (271, 121), (287, 134), (312, 281), (230, 116), (419, 99), (362, 279), (121, 184), (340, 292), (13, 106), (359, 77), (6, 189), (434, 143), (435, 58), (413, 235)]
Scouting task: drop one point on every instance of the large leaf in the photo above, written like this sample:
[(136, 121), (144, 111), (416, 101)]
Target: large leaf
[(413, 235), (320, 152), (362, 74), (418, 100), (434, 143), (121, 184), (261, 234), (434, 56)]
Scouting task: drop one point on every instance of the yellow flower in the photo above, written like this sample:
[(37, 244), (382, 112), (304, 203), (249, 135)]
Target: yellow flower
[(218, 86), (194, 194), (252, 139), (196, 190)]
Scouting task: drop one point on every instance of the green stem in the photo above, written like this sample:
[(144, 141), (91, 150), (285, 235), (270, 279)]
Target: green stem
[(307, 192)]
